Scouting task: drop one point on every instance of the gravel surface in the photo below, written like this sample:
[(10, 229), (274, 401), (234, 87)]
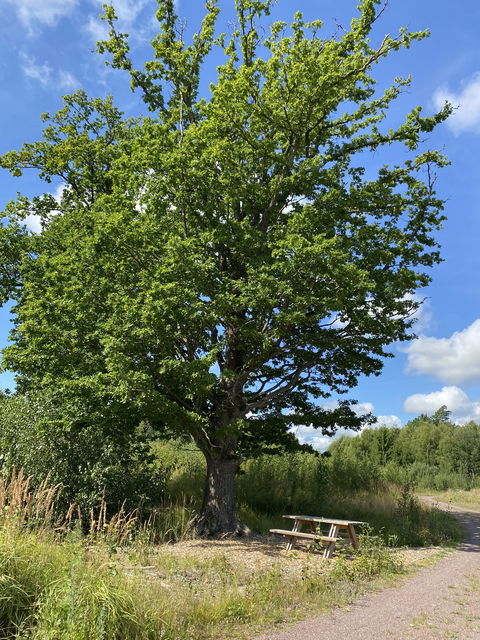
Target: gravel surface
[(440, 602)]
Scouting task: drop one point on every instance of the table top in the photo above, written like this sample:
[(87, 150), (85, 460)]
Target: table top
[(322, 519)]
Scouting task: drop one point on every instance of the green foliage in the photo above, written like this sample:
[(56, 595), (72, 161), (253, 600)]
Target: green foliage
[(220, 265), (353, 470), (372, 558), (291, 482), (270, 486), (92, 460), (66, 586), (186, 468), (170, 522), (428, 453), (51, 590), (60, 588)]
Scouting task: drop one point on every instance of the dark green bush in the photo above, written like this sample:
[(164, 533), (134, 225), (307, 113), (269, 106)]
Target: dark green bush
[(92, 460)]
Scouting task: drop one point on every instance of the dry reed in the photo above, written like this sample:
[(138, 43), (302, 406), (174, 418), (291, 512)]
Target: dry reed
[(37, 508)]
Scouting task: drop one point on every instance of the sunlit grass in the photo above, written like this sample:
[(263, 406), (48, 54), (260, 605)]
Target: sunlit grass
[(59, 583), (61, 590), (468, 499)]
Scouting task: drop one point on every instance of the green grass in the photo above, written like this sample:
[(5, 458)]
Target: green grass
[(468, 499), (57, 583), (394, 514), (273, 485), (401, 519), (61, 590)]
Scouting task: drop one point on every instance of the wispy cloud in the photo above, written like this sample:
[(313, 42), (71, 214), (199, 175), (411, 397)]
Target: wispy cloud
[(46, 76), (126, 10), (41, 73), (466, 102), (67, 81), (452, 360), (96, 28), (42, 12)]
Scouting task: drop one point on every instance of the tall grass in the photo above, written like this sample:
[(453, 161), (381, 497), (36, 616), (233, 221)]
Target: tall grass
[(35, 507), (58, 591), (56, 584), (273, 485), (397, 515), (170, 522)]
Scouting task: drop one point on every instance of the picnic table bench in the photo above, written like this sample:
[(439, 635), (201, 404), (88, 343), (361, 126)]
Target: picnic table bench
[(338, 530)]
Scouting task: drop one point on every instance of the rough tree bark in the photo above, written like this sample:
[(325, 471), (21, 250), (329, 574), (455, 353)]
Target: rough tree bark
[(218, 515)]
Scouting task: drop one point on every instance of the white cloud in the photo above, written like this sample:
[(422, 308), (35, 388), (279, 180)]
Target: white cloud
[(466, 116), (97, 29), (452, 360), (127, 12), (307, 434), (455, 399), (423, 315), (387, 421), (45, 75), (43, 12), (67, 81), (452, 397), (34, 223), (362, 408), (313, 437)]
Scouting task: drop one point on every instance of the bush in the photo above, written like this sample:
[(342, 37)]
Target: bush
[(373, 557), (92, 460)]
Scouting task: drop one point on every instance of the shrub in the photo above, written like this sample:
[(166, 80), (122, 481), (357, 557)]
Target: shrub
[(91, 460)]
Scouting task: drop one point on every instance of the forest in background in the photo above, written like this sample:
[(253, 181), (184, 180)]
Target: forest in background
[(429, 452)]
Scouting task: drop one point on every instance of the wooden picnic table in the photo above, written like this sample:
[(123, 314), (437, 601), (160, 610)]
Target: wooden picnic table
[(338, 530)]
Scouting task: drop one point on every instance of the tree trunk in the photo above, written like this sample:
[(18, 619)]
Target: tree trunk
[(218, 515)]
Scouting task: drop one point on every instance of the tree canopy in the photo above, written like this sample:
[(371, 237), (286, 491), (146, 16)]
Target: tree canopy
[(223, 264)]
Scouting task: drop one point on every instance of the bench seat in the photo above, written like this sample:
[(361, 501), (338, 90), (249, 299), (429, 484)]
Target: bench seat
[(301, 534)]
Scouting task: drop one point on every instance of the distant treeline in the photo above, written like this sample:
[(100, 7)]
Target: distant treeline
[(429, 452)]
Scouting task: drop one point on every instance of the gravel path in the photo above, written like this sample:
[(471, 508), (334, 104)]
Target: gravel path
[(441, 602)]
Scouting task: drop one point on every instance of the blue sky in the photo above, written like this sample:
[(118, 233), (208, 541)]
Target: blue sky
[(47, 51)]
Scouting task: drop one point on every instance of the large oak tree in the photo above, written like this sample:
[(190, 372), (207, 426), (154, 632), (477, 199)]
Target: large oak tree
[(224, 264)]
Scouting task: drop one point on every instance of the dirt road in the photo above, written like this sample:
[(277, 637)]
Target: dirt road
[(441, 602)]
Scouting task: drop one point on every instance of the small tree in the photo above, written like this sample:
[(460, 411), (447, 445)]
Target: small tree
[(223, 265)]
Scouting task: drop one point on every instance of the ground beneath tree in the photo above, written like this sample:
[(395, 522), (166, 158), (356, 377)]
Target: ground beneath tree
[(256, 554), (440, 602)]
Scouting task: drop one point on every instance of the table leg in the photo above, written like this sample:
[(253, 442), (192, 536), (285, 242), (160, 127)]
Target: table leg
[(297, 526), (330, 546), (353, 536)]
